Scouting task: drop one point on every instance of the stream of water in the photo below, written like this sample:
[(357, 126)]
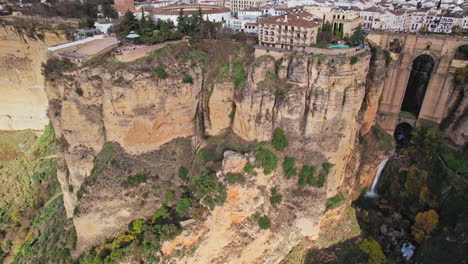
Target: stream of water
[(373, 191)]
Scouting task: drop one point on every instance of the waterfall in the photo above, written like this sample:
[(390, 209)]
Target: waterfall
[(373, 191)]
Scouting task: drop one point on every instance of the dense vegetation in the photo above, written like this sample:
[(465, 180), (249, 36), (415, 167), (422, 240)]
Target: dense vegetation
[(289, 167), (266, 159), (32, 216), (144, 236), (426, 195), (462, 52), (279, 141), (55, 68), (161, 30)]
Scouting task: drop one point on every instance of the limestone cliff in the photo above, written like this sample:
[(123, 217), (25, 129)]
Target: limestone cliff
[(154, 125), (455, 123), (315, 101), (23, 103)]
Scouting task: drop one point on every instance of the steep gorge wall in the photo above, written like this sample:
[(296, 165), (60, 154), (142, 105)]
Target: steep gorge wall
[(23, 102), (317, 106), (317, 102)]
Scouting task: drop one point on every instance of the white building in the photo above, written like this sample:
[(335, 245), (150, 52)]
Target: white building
[(153, 4), (242, 25), (210, 12), (371, 17), (251, 13), (236, 5), (103, 25), (274, 10)]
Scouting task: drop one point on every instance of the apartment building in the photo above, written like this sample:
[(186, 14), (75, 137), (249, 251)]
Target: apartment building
[(343, 20), (236, 5), (289, 31)]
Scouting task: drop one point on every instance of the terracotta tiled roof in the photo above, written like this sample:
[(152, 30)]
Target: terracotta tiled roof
[(297, 19), (372, 9)]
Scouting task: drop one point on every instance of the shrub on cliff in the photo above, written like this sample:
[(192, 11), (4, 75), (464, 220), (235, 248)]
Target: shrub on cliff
[(461, 77), (207, 188), (160, 72), (264, 222), (425, 223), (267, 160), (280, 141), (135, 180), (233, 178), (374, 251), (79, 91), (335, 201), (306, 177), (249, 168), (54, 68), (353, 60), (323, 175), (388, 57), (275, 197), (289, 167), (183, 172), (187, 79), (427, 143), (182, 205)]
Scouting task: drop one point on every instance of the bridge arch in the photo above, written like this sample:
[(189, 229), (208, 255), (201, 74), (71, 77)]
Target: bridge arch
[(435, 57), (422, 67)]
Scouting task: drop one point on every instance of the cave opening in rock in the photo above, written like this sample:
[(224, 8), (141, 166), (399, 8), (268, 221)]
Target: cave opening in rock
[(402, 136), (417, 85)]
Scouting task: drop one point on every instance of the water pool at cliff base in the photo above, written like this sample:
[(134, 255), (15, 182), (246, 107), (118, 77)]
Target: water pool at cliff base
[(339, 47)]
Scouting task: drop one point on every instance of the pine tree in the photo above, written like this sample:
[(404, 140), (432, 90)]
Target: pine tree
[(182, 23), (129, 22)]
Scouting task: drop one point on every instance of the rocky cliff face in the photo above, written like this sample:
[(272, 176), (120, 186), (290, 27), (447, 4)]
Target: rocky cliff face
[(316, 102), (136, 111), (23, 103), (154, 125), (455, 123)]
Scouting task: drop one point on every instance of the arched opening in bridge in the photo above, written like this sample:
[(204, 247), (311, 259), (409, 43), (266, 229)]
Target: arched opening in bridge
[(462, 52), (417, 85)]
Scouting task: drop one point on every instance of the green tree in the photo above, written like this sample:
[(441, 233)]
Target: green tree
[(266, 159), (182, 205), (306, 177), (289, 167), (183, 23), (234, 178), (275, 197), (374, 251), (183, 172), (161, 214), (358, 36), (264, 222), (279, 141), (161, 72), (428, 141), (425, 223), (249, 169), (129, 22), (109, 12)]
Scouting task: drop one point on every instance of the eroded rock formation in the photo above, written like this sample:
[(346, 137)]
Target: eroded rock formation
[(317, 102), (23, 102)]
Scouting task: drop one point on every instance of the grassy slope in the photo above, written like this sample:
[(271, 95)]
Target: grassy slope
[(30, 221)]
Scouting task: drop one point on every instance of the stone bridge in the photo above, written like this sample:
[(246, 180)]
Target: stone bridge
[(420, 78)]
